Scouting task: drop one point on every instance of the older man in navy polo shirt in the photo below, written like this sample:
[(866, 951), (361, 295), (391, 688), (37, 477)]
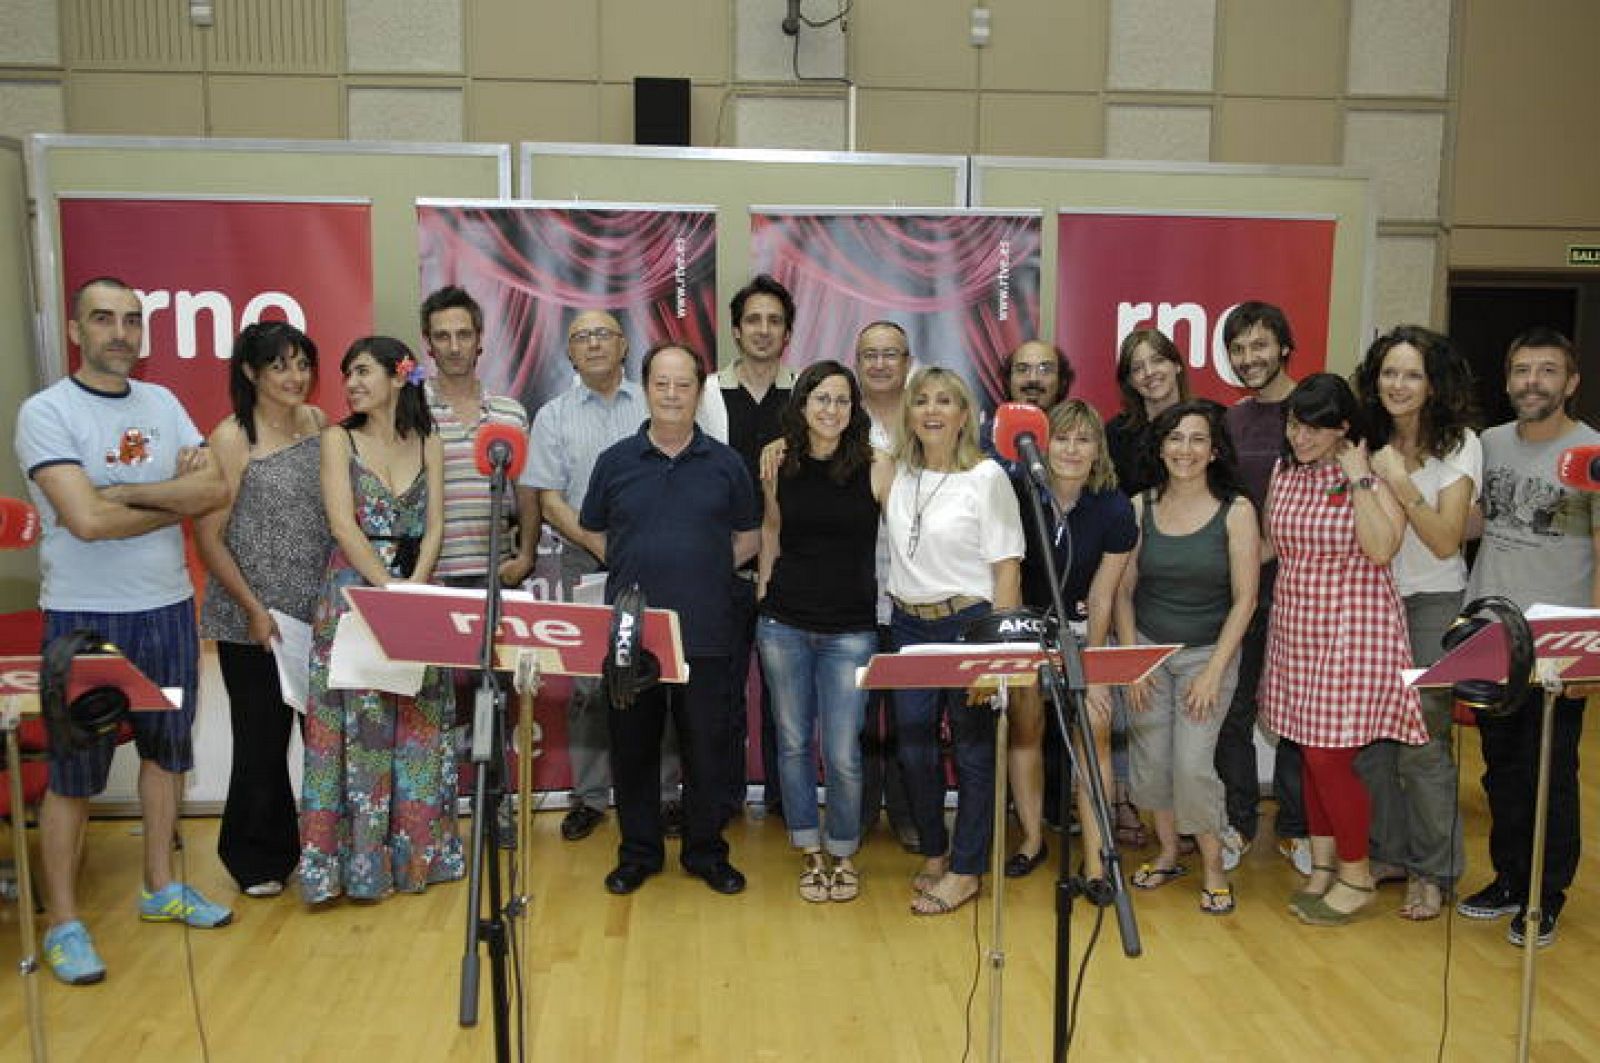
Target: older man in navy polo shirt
[(679, 515)]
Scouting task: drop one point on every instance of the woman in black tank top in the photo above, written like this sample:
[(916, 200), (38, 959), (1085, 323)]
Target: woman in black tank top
[(818, 615)]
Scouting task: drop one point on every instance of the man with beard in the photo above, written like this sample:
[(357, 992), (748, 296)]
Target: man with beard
[(114, 466), (1037, 373), (1540, 541), (1259, 343)]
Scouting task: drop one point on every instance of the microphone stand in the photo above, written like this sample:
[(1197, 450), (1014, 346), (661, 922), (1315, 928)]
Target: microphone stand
[(1065, 688), (488, 749)]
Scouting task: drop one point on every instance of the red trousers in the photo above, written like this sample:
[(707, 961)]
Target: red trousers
[(1337, 803)]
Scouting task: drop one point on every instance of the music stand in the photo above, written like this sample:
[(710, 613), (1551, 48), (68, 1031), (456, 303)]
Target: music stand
[(444, 627), (19, 697), (1566, 650), (1003, 665)]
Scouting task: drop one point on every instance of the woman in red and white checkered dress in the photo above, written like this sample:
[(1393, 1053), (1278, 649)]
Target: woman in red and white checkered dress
[(1338, 637)]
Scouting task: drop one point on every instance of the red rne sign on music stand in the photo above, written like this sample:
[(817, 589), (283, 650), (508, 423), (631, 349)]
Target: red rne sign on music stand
[(445, 628)]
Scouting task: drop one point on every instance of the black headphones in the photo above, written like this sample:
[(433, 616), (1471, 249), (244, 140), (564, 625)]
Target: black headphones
[(1023, 624), (629, 668), (1488, 697), (77, 716)]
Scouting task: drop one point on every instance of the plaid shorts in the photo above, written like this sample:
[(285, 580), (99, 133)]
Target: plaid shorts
[(161, 643)]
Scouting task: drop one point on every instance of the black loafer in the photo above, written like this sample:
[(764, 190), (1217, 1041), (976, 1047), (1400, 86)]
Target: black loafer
[(625, 878), (1021, 864), (580, 822), (722, 877)]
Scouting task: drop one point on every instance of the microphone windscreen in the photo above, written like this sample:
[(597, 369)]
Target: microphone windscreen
[(510, 435), (19, 524), (1011, 420), (1577, 467)]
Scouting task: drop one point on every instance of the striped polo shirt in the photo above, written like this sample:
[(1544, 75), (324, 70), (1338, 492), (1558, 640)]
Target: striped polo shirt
[(466, 490)]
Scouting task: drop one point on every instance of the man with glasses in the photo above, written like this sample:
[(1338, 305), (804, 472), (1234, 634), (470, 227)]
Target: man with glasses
[(883, 362), (569, 433)]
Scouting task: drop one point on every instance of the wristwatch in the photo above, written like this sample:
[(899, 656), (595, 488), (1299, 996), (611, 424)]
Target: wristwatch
[(1367, 483)]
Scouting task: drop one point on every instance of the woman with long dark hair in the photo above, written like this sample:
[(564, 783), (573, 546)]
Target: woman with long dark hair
[(1338, 639), (1416, 391), (378, 799), (1192, 583), (955, 543), (818, 620), (1092, 541), (264, 550), (1151, 377)]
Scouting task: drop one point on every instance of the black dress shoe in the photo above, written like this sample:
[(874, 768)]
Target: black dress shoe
[(625, 878), (722, 877), (1021, 864), (580, 822)]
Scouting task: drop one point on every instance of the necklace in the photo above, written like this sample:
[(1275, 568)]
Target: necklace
[(919, 507)]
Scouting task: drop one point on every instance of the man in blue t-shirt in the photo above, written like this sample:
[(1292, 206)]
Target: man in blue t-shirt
[(114, 465), (678, 515)]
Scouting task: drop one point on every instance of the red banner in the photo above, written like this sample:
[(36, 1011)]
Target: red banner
[(1183, 274), (206, 268)]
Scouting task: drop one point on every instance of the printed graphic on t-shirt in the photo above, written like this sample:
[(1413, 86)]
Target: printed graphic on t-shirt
[(133, 448), (1533, 505)]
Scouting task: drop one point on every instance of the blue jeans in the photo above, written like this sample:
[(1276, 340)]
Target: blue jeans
[(813, 681), (917, 714)]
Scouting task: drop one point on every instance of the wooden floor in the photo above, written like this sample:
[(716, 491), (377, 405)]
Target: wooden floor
[(678, 973)]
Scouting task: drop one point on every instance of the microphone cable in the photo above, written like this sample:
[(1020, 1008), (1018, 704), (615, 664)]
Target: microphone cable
[(1448, 903), (182, 850)]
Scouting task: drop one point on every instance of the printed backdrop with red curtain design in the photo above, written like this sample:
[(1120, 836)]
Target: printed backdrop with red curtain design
[(1183, 274), (532, 267), (963, 284)]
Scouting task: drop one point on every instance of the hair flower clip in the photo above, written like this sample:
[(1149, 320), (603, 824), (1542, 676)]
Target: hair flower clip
[(408, 368)]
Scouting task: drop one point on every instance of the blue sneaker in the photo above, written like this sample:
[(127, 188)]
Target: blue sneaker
[(178, 903), (71, 955)]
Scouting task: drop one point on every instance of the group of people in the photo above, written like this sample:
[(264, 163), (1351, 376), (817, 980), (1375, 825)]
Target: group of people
[(1299, 548)]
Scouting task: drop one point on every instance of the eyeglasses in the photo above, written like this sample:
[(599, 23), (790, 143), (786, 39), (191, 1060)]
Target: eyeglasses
[(1037, 369), (593, 335), (880, 354), (841, 402)]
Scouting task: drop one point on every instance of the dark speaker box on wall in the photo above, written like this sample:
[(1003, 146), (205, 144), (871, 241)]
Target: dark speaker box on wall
[(661, 111)]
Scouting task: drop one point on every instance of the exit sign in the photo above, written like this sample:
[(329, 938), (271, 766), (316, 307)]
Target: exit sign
[(1583, 254)]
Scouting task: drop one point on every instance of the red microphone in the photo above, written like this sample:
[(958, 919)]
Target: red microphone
[(1018, 428), (19, 524), (1579, 467), (500, 445)]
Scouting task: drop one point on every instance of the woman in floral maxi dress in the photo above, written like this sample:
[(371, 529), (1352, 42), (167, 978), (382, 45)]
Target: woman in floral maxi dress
[(378, 798)]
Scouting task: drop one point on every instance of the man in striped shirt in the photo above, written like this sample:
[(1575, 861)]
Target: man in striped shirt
[(452, 326)]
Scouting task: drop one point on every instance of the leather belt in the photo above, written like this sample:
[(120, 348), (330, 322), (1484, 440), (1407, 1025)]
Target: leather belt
[(937, 610)]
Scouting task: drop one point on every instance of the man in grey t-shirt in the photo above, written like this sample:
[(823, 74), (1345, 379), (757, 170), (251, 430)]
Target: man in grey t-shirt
[(1540, 541)]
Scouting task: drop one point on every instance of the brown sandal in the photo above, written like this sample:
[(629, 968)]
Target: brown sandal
[(814, 880), (845, 884)]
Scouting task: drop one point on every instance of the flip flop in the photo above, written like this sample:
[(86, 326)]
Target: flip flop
[(1150, 877), (937, 905), (1217, 901)]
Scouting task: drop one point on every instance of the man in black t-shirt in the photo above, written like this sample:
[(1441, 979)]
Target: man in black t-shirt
[(755, 389)]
